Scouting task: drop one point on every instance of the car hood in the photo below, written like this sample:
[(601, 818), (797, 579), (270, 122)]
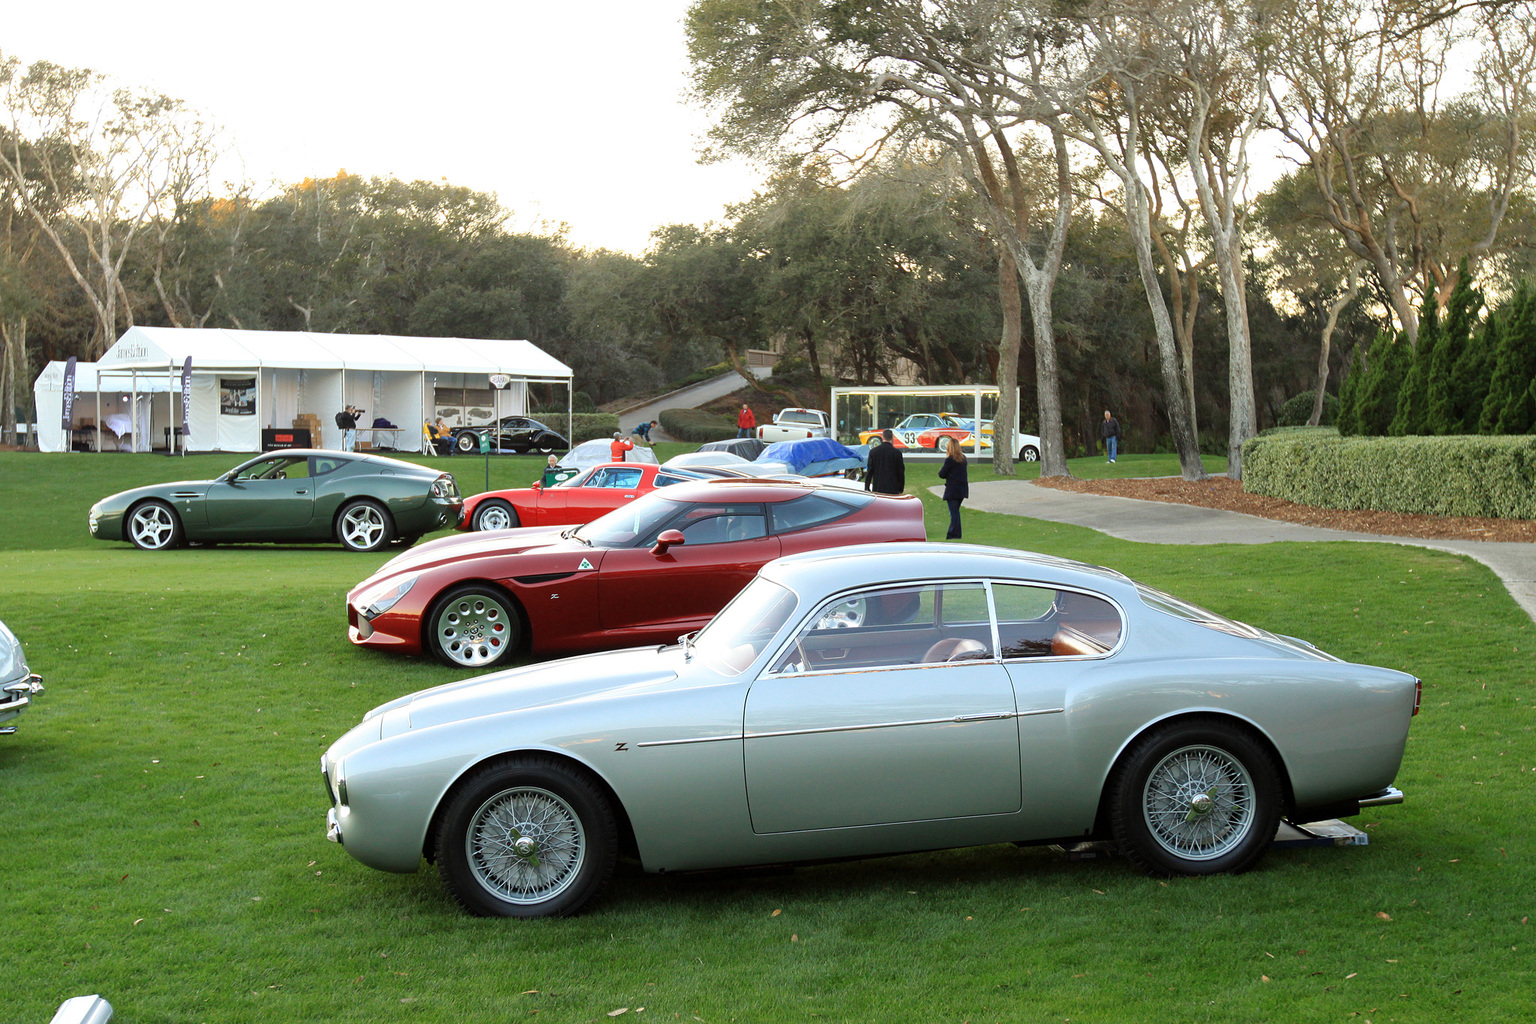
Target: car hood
[(479, 545), (594, 676), (123, 499)]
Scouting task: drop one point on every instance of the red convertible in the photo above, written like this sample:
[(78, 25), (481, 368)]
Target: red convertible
[(646, 573), (580, 499)]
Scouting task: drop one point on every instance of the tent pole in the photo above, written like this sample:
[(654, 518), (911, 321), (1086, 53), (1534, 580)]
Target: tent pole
[(98, 412)]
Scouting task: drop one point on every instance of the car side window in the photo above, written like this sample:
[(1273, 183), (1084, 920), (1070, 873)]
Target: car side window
[(733, 524), (324, 465), (896, 627), (623, 478), (805, 511), (277, 468), (667, 479), (1043, 622)]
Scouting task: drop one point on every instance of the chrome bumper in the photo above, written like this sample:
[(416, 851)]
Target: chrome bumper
[(332, 827), (15, 697)]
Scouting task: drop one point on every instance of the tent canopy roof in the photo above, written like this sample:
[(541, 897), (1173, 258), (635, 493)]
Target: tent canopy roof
[(87, 379), (156, 348)]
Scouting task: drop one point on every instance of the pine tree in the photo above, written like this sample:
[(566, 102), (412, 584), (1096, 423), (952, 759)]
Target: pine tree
[(1377, 399), (1446, 391), (1348, 423), (1514, 365), (1412, 414), (1473, 371)]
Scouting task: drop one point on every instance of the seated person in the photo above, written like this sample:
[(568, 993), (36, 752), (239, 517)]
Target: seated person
[(441, 436)]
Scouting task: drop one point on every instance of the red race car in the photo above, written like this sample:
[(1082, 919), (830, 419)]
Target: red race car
[(646, 573), (580, 499)]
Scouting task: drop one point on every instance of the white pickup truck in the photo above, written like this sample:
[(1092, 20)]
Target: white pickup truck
[(794, 424)]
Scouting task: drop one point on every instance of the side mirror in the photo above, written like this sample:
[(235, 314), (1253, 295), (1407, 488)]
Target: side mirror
[(538, 485), (666, 540)]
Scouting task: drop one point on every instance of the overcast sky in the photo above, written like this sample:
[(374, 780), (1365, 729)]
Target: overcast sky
[(570, 113)]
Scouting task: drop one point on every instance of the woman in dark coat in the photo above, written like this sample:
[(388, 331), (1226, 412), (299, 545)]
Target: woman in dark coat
[(957, 485)]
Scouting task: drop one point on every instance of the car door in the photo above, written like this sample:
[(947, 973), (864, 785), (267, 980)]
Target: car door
[(888, 706), (725, 543), (270, 499), (913, 427), (606, 489)]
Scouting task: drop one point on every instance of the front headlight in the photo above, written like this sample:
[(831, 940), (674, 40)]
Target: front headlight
[(375, 601)]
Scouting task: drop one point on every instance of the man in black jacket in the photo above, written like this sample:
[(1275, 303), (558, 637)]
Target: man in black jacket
[(886, 473), (1109, 430)]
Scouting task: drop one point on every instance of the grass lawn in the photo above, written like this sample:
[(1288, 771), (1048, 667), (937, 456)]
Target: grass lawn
[(163, 818)]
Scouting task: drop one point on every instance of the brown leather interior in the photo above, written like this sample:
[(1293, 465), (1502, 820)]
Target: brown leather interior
[(1070, 640)]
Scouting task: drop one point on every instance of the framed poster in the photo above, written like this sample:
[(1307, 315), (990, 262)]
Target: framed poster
[(237, 396)]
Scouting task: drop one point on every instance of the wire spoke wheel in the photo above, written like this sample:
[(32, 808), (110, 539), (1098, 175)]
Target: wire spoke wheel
[(1197, 797), (1198, 802), (527, 837), (525, 845)]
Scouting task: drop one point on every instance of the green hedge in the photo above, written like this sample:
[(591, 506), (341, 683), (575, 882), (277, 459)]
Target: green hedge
[(696, 425), (1465, 475), (1298, 409), (585, 425)]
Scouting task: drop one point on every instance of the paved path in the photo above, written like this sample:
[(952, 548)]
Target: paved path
[(1161, 522), (690, 397)]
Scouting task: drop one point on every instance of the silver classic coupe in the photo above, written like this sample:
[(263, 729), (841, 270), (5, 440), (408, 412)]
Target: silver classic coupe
[(874, 700)]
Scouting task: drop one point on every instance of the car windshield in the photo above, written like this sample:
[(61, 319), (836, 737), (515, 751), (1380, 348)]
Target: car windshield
[(579, 480), (627, 523), (734, 638)]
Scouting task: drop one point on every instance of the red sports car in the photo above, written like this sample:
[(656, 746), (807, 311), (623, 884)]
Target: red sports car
[(648, 572), (580, 499)]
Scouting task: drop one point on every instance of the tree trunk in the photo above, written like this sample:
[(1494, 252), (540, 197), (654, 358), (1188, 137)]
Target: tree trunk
[(1180, 423), (1334, 309), (1053, 455), (1003, 440)]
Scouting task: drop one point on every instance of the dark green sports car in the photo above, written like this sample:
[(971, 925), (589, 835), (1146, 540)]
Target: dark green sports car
[(363, 501)]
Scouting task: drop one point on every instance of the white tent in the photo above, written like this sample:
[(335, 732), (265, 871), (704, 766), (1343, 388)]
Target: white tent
[(109, 415), (244, 382)]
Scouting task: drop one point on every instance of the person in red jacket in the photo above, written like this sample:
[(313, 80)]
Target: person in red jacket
[(745, 421), (621, 444)]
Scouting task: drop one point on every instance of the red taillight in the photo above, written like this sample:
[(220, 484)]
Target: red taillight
[(1418, 696)]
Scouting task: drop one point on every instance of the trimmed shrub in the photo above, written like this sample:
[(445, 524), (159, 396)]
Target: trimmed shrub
[(696, 425), (1298, 409), (585, 425), (1491, 476)]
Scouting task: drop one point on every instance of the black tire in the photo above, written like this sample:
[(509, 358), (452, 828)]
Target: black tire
[(473, 626), (364, 525), (494, 515), (153, 526), (547, 445), (529, 837), (469, 441), (1195, 798), (1029, 453)]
